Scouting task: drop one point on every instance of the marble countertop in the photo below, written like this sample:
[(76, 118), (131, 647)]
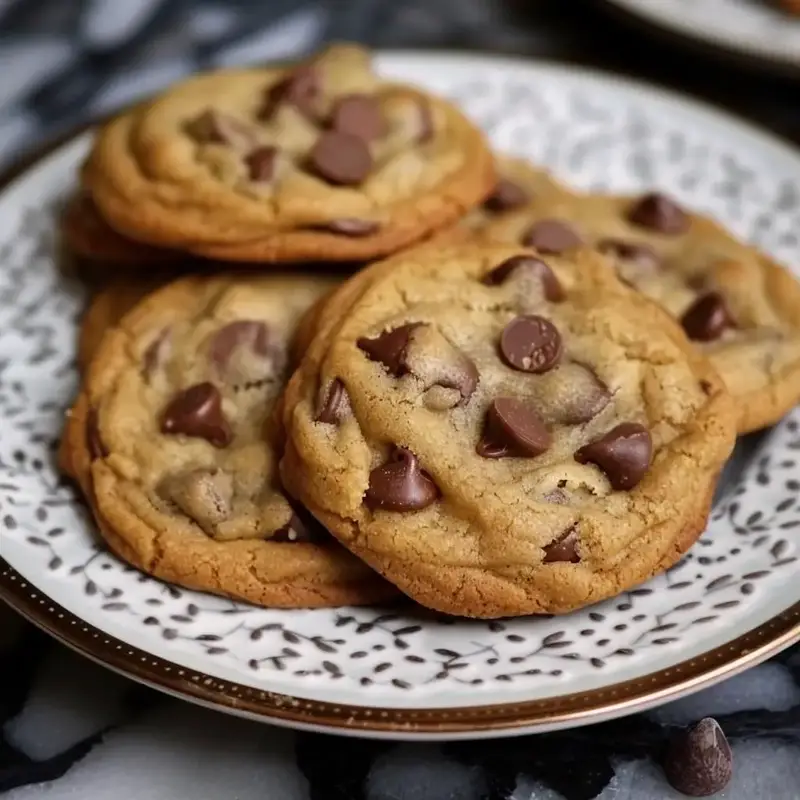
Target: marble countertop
[(70, 729)]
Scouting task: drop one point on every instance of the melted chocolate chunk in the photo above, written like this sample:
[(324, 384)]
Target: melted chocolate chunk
[(335, 405), (624, 454), (359, 115), (261, 164), (659, 213), (513, 429), (242, 333), (707, 318), (197, 412), (531, 344), (640, 254), (552, 236), (340, 158), (529, 265), (94, 444), (506, 196), (390, 348), (400, 484), (564, 548), (300, 89), (698, 761)]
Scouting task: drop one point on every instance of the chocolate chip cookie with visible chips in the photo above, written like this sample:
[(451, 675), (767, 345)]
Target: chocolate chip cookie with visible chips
[(317, 161), (175, 440), (501, 433), (740, 308)]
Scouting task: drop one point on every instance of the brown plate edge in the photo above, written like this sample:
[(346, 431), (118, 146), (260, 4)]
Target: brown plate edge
[(580, 708)]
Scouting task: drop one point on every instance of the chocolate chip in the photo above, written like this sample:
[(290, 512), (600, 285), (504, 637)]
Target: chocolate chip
[(359, 115), (640, 254), (698, 761), (242, 333), (155, 354), (552, 236), (564, 548), (94, 444), (349, 226), (299, 529), (197, 412), (215, 127), (506, 196), (513, 429), (390, 347), (426, 126), (261, 164), (400, 484), (529, 265), (707, 318), (300, 89), (623, 454), (340, 158), (659, 213), (531, 344), (706, 386), (335, 405)]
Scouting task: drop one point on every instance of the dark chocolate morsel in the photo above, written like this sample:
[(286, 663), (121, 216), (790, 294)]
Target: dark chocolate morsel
[(624, 454), (94, 444), (564, 548), (300, 89), (390, 348), (552, 236), (359, 115), (261, 164), (513, 429), (532, 266), (640, 254), (698, 761), (659, 213), (400, 484), (531, 343), (242, 333), (335, 405), (340, 158), (197, 412), (707, 318), (506, 196)]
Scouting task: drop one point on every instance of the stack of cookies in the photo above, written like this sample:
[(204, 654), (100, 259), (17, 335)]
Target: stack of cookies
[(349, 353)]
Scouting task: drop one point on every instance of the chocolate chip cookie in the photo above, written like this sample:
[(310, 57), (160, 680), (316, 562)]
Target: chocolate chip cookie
[(739, 307), (317, 161), (175, 440), (504, 433)]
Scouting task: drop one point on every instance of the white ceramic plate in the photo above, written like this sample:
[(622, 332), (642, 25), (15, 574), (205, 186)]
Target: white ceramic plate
[(751, 28), (399, 672)]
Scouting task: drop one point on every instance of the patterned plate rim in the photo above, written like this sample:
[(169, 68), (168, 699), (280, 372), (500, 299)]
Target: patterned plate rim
[(486, 721), (709, 40)]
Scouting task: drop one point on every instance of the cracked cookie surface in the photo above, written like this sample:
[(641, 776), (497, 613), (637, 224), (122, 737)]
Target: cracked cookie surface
[(317, 161), (739, 308), (175, 440), (500, 433)]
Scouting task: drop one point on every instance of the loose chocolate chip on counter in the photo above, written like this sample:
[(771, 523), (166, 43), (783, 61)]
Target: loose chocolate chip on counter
[(242, 333), (390, 347), (698, 760), (334, 405), (215, 127), (155, 354), (624, 454), (349, 226), (564, 548), (640, 254), (340, 158), (707, 318), (197, 412), (400, 484), (660, 214), (513, 429), (531, 344), (531, 266), (299, 529), (261, 164), (300, 89), (506, 196), (359, 115), (94, 444), (552, 236)]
